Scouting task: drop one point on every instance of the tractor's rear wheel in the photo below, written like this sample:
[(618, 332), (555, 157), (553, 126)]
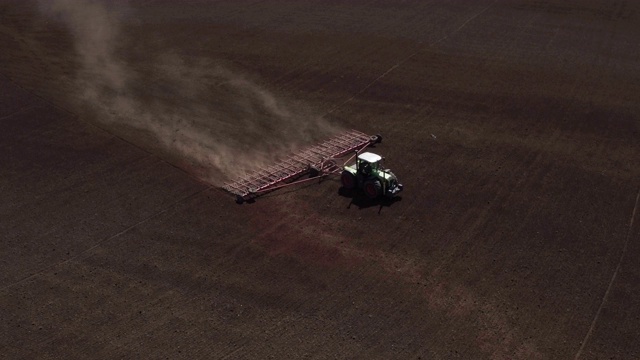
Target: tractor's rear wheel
[(372, 188), (348, 180)]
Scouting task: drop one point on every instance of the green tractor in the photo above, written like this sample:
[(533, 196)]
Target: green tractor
[(369, 174)]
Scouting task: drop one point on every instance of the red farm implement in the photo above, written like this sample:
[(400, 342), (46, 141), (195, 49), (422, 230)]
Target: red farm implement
[(316, 161)]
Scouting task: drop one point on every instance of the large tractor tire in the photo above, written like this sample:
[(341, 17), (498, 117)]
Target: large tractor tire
[(372, 188), (348, 180)]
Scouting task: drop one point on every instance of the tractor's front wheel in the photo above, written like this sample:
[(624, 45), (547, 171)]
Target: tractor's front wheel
[(372, 188), (348, 180)]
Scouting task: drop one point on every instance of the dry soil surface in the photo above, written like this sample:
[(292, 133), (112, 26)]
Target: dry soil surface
[(513, 125)]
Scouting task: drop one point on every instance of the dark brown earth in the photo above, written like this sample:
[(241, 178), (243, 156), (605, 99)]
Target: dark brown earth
[(514, 126)]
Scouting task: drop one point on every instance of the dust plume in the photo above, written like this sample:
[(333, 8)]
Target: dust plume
[(214, 121)]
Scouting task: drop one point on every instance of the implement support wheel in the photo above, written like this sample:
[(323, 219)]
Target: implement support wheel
[(375, 139)]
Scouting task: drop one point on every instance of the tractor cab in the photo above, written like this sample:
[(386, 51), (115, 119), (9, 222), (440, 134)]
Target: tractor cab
[(368, 163)]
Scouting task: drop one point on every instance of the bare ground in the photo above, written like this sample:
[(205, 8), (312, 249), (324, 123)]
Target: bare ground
[(512, 124)]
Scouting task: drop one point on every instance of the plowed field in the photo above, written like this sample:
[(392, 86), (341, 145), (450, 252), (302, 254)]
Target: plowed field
[(513, 125)]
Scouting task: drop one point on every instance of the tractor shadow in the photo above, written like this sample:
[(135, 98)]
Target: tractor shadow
[(359, 199)]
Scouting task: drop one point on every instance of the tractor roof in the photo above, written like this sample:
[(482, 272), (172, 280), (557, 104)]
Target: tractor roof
[(369, 157)]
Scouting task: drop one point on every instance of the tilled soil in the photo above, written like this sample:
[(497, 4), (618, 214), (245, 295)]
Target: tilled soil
[(513, 126)]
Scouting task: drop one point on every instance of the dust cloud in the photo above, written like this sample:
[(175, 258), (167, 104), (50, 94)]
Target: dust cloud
[(205, 116)]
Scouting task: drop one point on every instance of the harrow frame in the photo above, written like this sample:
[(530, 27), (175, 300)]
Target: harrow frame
[(317, 161)]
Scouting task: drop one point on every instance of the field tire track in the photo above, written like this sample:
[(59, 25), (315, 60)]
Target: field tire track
[(587, 337), (105, 239)]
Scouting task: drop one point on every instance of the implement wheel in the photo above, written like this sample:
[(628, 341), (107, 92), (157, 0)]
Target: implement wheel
[(372, 188), (348, 180)]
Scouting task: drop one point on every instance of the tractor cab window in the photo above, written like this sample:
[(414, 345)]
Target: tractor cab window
[(366, 167)]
